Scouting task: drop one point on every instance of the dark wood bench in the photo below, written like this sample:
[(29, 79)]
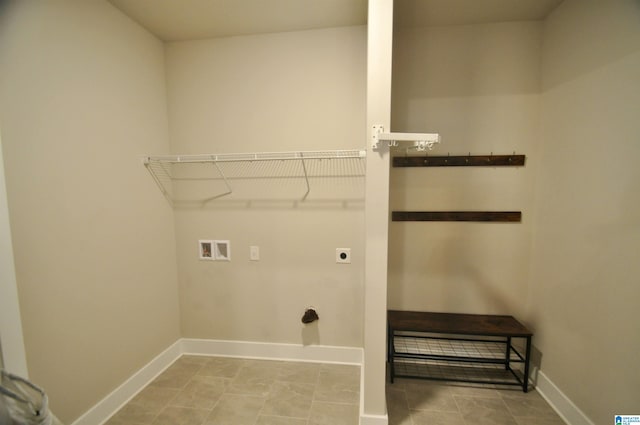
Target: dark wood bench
[(423, 345)]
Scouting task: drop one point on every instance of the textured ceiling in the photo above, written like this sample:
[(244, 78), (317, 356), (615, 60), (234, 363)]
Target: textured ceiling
[(174, 20)]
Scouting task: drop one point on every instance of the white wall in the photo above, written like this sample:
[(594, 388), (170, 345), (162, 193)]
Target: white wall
[(83, 98), (583, 284), (478, 86), (273, 92)]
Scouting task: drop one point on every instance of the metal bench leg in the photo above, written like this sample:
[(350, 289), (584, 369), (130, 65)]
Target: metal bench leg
[(390, 354), (527, 359), (507, 355)]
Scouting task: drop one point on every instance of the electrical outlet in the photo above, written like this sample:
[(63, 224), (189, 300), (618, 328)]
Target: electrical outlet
[(343, 255), (254, 253)]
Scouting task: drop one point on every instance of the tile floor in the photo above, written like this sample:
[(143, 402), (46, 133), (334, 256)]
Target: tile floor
[(230, 391), (421, 402)]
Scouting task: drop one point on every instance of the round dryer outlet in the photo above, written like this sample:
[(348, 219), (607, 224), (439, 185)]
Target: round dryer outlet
[(343, 255)]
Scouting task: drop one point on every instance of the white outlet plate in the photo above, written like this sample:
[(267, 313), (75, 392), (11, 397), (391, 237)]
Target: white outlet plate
[(254, 253), (343, 255)]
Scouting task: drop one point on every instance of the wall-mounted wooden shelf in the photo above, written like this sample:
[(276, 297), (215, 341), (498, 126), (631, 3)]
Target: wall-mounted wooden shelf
[(460, 161), (482, 216)]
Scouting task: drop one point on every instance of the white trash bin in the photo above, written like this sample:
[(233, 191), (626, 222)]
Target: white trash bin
[(23, 403)]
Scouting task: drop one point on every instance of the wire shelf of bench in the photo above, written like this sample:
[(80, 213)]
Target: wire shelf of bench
[(460, 359), (457, 372), (222, 172), (462, 350)]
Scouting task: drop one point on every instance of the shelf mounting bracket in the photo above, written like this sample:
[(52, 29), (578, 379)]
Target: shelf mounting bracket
[(420, 141)]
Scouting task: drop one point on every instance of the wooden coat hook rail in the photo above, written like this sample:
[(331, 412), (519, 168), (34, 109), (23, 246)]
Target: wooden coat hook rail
[(481, 216), (460, 161)]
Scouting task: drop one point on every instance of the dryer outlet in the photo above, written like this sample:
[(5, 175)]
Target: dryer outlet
[(343, 255)]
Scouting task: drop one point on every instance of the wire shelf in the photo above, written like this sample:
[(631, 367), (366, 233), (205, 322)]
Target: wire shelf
[(260, 156), (440, 357), (208, 177), (435, 347), (455, 371)]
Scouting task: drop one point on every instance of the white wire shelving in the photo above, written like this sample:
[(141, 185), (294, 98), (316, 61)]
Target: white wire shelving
[(207, 177)]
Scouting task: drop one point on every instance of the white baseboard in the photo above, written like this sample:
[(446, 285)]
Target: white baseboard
[(365, 418), (568, 411), (105, 408), (263, 350), (109, 405), (373, 419)]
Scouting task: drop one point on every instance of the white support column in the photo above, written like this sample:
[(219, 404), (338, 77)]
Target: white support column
[(12, 342), (379, 55)]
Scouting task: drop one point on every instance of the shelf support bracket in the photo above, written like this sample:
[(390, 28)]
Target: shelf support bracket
[(224, 178), (420, 141), (306, 179)]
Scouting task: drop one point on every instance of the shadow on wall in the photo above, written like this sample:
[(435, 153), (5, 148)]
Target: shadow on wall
[(445, 278), (535, 363), (310, 334), (469, 285), (451, 266), (614, 47), (436, 67), (272, 204)]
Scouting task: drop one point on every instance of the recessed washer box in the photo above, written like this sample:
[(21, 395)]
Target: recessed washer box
[(222, 250)]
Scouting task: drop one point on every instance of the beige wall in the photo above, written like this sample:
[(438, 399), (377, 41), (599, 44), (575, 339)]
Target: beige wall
[(568, 270), (83, 98), (478, 86), (584, 288), (274, 92)]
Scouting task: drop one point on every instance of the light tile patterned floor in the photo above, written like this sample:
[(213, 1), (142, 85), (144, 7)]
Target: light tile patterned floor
[(230, 391), (421, 402)]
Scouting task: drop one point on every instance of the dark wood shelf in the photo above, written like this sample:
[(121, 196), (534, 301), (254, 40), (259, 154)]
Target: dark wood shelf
[(460, 161), (469, 324), (483, 216)]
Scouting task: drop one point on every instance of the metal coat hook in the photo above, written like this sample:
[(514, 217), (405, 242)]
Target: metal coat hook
[(449, 160)]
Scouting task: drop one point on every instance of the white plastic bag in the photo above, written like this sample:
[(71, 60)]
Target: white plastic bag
[(23, 403)]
